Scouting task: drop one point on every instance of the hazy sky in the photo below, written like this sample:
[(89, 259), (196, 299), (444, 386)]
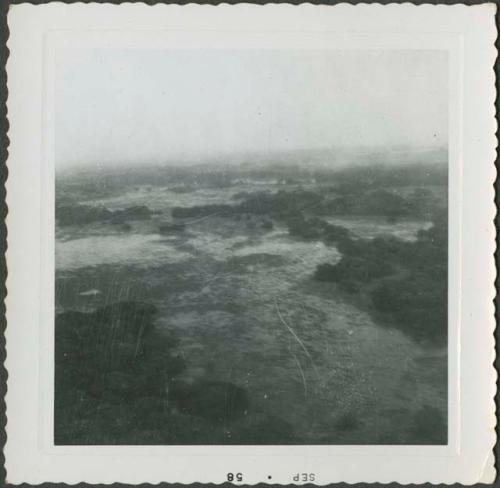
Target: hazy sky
[(165, 106)]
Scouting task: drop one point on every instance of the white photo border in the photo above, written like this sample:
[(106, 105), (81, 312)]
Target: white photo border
[(37, 32)]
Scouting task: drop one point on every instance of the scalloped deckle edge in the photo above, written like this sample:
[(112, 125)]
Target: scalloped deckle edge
[(303, 8)]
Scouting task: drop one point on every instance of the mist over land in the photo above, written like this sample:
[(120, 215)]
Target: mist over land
[(251, 247), (310, 160)]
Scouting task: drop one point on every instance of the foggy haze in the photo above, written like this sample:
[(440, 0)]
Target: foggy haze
[(143, 106)]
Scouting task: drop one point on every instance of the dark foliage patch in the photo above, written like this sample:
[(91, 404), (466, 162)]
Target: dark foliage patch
[(85, 214), (406, 281)]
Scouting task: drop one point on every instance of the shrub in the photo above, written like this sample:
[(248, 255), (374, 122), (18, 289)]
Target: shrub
[(417, 304)]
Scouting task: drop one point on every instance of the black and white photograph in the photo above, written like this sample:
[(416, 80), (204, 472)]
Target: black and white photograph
[(250, 244), (251, 247)]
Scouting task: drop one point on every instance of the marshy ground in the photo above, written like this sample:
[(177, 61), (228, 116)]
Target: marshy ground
[(236, 307)]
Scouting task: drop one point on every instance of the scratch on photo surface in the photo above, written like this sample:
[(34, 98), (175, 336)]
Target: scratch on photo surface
[(225, 397), (297, 339), (201, 219), (302, 375)]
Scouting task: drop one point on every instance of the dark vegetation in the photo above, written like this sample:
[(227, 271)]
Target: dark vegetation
[(380, 175), (289, 204), (76, 214), (115, 381), (279, 204), (172, 227), (316, 228), (359, 190), (429, 427), (201, 211), (117, 377), (372, 170), (406, 282), (240, 264), (348, 421), (217, 401), (376, 202)]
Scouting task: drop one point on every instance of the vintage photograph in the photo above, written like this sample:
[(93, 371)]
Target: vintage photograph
[(250, 244), (251, 247)]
